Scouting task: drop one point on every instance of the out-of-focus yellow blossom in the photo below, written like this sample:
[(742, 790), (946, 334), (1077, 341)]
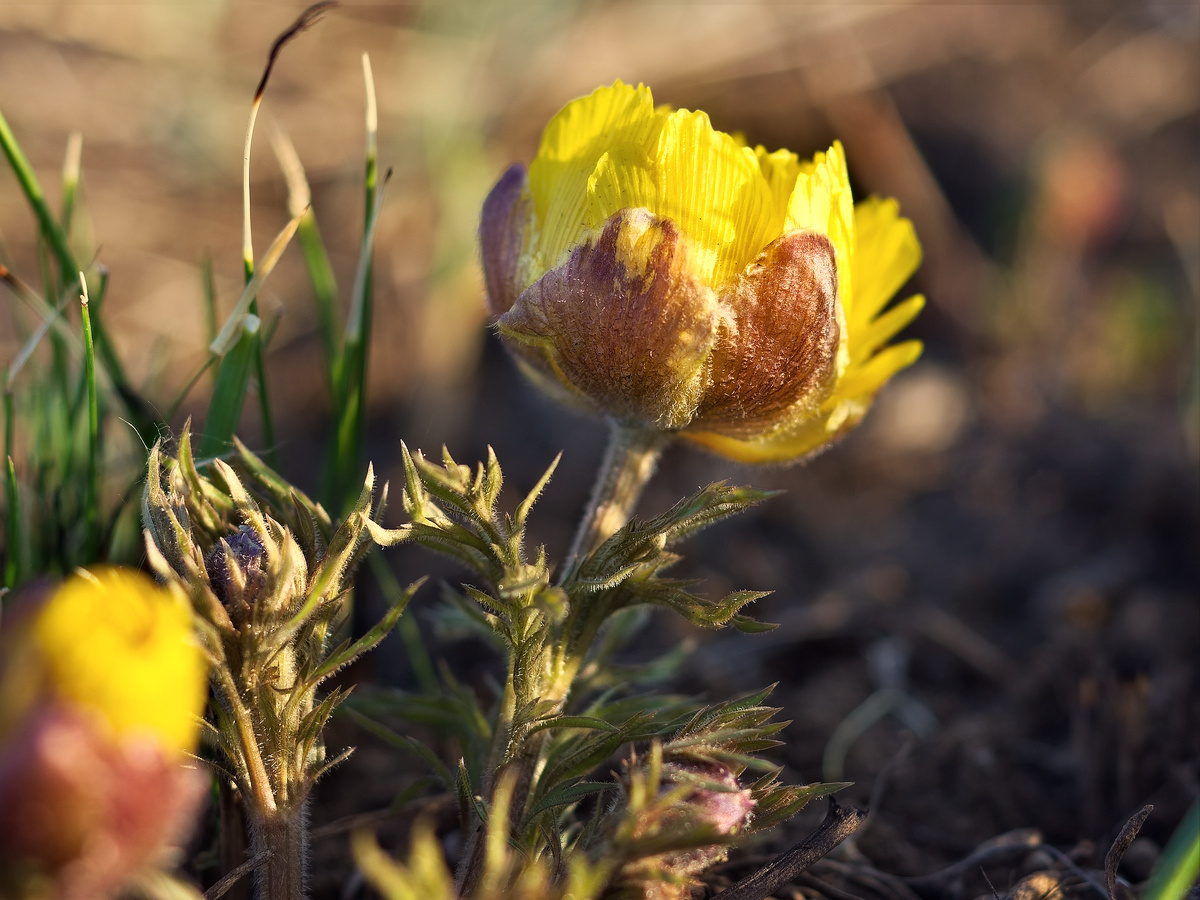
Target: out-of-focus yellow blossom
[(663, 273), (113, 641), (102, 685)]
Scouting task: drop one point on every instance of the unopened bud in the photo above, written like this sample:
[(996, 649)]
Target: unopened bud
[(720, 801), (657, 271), (236, 568)]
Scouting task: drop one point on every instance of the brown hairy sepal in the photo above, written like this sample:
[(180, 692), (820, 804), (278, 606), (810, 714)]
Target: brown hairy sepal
[(622, 322), (622, 325)]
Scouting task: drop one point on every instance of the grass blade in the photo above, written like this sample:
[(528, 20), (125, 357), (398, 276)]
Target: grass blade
[(56, 239), (306, 19), (51, 317), (91, 513), (270, 447), (12, 562), (208, 290), (12, 499), (344, 459), (37, 200), (1179, 865), (70, 177), (408, 629), (231, 330), (316, 258), (229, 392)]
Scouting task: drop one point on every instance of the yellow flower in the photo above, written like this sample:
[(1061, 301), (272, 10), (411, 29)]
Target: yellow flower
[(114, 642), (665, 274)]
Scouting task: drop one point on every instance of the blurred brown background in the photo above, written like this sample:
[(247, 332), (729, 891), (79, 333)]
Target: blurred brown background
[(1008, 544)]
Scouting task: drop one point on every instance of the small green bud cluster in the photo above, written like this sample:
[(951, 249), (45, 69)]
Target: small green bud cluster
[(269, 577)]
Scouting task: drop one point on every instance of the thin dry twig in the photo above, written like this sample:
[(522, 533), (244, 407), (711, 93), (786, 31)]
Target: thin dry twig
[(879, 788), (882, 883), (1120, 845), (839, 823), (995, 893), (808, 879), (1013, 845), (1070, 864), (234, 875)]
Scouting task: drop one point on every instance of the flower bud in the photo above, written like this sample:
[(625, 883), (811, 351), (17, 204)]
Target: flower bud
[(719, 800), (236, 567), (101, 689), (654, 270), (696, 805)]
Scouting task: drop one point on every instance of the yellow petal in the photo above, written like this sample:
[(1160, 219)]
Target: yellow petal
[(812, 435), (572, 144), (622, 179), (821, 201), (613, 150), (884, 328), (781, 169), (886, 254), (809, 434), (713, 189), (865, 380), (115, 642)]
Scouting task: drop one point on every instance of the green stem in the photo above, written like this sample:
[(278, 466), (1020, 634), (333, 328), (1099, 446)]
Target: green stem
[(232, 811), (284, 876), (92, 507), (12, 569), (632, 455), (257, 792), (271, 451), (37, 200)]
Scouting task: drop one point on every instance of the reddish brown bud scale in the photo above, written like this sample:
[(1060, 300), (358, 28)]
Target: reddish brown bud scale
[(622, 322), (625, 326), (778, 349)]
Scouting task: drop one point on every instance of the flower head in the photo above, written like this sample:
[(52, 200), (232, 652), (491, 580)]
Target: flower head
[(663, 273), (102, 685), (114, 642)]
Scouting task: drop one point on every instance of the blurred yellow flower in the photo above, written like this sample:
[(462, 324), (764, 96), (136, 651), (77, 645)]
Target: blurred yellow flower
[(102, 685), (665, 274), (113, 641)]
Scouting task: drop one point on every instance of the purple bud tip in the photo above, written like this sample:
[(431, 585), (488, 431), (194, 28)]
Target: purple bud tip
[(247, 553)]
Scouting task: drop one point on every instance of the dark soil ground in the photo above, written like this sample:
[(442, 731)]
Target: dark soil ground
[(987, 595)]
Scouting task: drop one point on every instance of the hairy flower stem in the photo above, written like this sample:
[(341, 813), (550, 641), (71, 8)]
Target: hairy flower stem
[(232, 836), (515, 759), (284, 875), (629, 461)]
